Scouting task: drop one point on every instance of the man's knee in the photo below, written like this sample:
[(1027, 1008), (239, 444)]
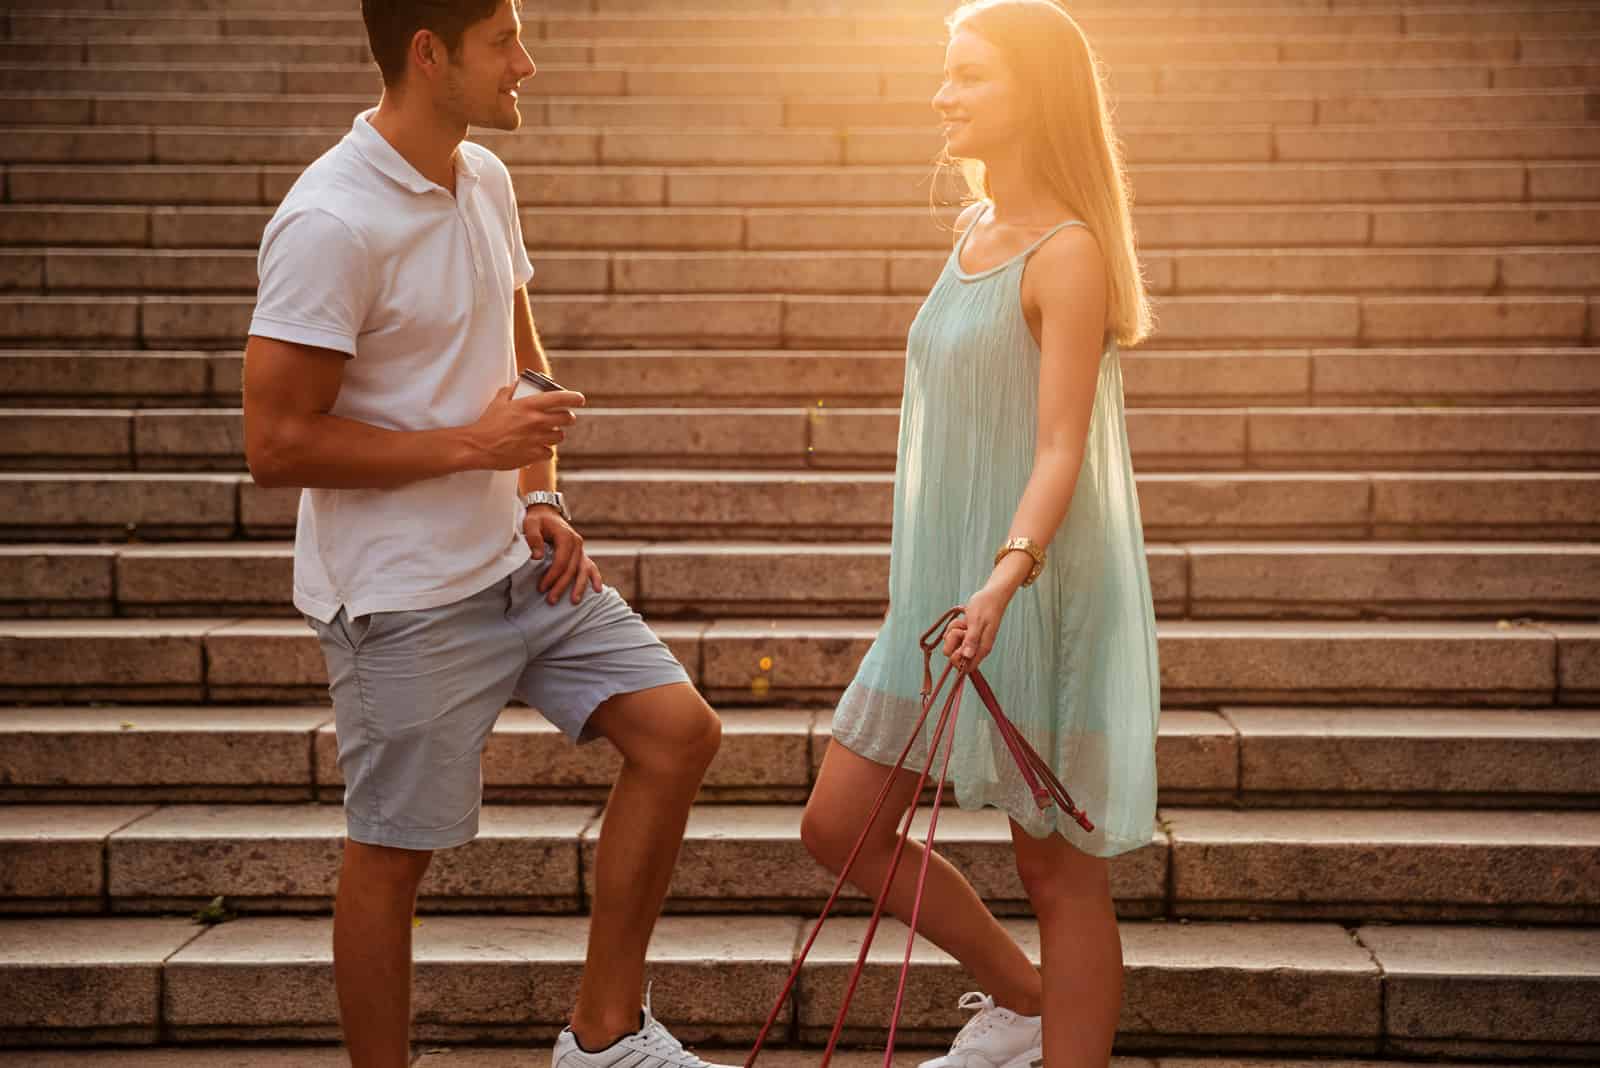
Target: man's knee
[(694, 734), (678, 735), (707, 731)]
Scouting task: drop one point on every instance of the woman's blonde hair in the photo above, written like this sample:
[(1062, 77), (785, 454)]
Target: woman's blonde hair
[(1070, 144)]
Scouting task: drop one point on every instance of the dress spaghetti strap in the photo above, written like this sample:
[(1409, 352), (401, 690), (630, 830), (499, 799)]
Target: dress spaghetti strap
[(1023, 255)]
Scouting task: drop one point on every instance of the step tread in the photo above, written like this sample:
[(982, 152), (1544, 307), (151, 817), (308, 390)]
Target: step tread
[(1203, 662), (1275, 755), (1318, 377), (1344, 864), (1201, 579), (784, 437), (1223, 980), (853, 505), (725, 822)]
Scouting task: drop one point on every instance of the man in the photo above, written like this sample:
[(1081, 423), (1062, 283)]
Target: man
[(391, 320)]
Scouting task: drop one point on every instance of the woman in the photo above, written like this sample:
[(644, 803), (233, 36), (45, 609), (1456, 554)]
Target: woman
[(1013, 450)]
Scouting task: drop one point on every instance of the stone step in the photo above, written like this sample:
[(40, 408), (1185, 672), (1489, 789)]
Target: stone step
[(845, 506), (1117, 41), (1266, 757), (1477, 271), (470, 1056), (1204, 863), (824, 26), (893, 44), (810, 321), (36, 108), (516, 1055), (50, 20), (1248, 36), (1427, 990), (1197, 580), (777, 661), (1150, 378), (466, 1055), (1175, 507), (275, 754), (636, 8), (1330, 67), (1431, 142), (619, 10), (276, 51), (1202, 185), (820, 438), (1199, 237), (834, 379)]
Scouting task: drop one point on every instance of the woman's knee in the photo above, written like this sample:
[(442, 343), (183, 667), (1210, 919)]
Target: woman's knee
[(1062, 875), (827, 834)]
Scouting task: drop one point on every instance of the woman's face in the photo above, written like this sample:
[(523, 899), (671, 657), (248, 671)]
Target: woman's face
[(979, 104)]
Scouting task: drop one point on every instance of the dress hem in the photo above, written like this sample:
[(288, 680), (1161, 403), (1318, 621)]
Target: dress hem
[(1113, 846)]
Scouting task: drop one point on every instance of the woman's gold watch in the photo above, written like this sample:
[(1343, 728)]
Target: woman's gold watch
[(1028, 546)]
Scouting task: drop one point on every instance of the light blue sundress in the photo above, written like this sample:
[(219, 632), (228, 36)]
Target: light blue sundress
[(1074, 666)]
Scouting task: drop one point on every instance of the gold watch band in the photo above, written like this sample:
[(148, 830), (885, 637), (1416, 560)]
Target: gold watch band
[(1026, 545)]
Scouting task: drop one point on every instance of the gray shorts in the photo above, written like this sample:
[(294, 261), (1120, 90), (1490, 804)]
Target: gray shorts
[(416, 694)]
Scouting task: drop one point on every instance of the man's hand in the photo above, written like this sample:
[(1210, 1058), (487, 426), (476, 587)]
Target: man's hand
[(571, 563), (512, 434)]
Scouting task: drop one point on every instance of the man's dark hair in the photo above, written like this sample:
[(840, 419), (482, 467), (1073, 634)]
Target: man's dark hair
[(391, 24)]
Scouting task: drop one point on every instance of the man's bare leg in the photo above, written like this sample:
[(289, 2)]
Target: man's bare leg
[(372, 951), (667, 736)]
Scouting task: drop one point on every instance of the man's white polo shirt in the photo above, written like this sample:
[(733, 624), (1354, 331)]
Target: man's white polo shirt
[(367, 257)]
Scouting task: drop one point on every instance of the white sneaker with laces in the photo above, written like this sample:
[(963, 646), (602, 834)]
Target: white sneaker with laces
[(994, 1038), (652, 1046)]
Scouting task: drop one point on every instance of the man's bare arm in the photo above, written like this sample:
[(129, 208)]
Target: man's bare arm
[(540, 475), (291, 439)]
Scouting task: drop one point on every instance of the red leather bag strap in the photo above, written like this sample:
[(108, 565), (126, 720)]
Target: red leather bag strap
[(1036, 772), (1041, 781), (944, 728), (1046, 788)]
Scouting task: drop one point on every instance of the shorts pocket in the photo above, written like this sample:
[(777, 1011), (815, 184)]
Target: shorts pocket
[(353, 630)]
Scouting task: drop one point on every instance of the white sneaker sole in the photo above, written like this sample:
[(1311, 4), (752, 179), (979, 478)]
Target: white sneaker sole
[(1033, 1058)]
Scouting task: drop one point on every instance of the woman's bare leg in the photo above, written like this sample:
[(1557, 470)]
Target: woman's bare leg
[(1080, 948), (953, 916)]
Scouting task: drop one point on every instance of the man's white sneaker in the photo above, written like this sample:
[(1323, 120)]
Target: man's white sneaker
[(652, 1046), (994, 1038)]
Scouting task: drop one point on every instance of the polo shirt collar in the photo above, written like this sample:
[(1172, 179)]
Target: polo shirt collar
[(391, 164)]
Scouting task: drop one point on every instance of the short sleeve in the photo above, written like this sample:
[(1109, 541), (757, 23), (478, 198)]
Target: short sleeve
[(521, 266), (315, 281)]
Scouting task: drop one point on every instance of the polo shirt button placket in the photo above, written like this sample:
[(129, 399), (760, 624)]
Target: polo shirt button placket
[(472, 245)]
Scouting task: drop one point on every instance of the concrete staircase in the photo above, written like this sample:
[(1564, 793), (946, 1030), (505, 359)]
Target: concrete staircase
[(1369, 460)]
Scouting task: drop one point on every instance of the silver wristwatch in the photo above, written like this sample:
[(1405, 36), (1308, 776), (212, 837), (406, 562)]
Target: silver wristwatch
[(554, 500)]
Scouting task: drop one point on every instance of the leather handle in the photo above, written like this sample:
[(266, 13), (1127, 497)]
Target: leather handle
[(1046, 788)]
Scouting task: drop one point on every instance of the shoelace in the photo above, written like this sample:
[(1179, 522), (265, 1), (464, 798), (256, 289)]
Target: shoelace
[(979, 1024), (655, 1034)]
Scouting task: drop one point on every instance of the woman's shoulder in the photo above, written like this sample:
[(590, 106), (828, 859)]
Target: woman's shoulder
[(1070, 257), (969, 216)]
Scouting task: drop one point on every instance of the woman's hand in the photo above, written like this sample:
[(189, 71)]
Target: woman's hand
[(971, 636)]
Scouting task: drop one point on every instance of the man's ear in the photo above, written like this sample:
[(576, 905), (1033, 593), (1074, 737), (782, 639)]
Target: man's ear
[(428, 53)]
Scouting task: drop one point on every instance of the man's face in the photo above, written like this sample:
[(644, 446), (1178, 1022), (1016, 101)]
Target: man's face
[(482, 76)]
